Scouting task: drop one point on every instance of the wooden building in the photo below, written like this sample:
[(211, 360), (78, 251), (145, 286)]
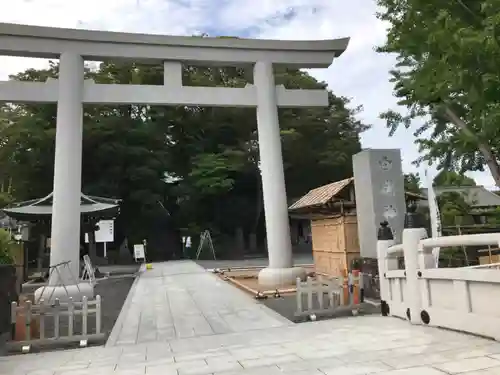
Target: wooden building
[(334, 228)]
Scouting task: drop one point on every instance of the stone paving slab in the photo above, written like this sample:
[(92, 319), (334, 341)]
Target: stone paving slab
[(252, 340), (180, 299), (346, 346)]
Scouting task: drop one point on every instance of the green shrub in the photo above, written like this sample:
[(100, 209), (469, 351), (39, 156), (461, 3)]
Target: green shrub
[(6, 245), (356, 264)]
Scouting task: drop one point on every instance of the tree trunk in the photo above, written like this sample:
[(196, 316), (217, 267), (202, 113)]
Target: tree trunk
[(239, 243), (258, 212), (41, 252), (252, 242), (486, 151), (92, 248), (259, 203)]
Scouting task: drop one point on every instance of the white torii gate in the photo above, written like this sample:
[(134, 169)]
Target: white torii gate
[(70, 91)]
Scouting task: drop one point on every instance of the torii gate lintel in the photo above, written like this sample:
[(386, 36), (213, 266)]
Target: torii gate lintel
[(71, 91)]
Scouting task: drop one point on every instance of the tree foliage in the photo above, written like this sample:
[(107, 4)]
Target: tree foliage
[(450, 178), (447, 76), (6, 246), (453, 205), (412, 183), (197, 166)]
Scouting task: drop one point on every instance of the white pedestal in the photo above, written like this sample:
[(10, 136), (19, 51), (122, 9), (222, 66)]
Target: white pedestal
[(76, 292), (277, 277)]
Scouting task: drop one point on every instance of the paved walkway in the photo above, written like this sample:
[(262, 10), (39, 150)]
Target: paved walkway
[(248, 339), (179, 300)]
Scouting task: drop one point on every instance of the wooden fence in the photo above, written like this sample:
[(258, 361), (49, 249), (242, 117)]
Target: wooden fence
[(324, 296), (318, 296), (57, 323)]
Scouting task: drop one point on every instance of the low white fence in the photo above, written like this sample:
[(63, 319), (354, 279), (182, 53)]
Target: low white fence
[(465, 299), (324, 296), (57, 323)]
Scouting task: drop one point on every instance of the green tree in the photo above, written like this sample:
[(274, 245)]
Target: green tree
[(412, 183), (209, 155), (5, 199), (6, 246), (453, 205), (447, 76), (450, 178)]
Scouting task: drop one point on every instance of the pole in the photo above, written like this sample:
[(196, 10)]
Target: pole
[(280, 270), (272, 172), (65, 232)]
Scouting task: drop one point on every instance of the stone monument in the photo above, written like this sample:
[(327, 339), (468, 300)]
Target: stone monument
[(379, 187)]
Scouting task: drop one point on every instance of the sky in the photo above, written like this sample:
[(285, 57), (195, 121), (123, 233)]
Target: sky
[(360, 73)]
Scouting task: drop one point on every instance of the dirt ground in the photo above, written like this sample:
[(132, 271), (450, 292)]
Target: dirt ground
[(286, 303), (249, 278)]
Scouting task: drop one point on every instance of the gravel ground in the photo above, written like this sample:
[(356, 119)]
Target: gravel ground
[(251, 262), (113, 292), (287, 305)]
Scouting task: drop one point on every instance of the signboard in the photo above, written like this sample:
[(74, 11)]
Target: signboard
[(139, 252), (106, 232)]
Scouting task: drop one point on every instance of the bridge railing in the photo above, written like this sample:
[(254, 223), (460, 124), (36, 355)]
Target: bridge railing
[(465, 299)]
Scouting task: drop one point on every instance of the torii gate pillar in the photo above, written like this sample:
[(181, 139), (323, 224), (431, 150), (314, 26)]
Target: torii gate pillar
[(70, 92), (280, 270)]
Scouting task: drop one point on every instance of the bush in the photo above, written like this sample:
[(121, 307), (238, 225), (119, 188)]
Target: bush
[(6, 245), (356, 264)]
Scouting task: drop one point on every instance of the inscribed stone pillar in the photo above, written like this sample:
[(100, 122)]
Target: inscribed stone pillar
[(379, 188)]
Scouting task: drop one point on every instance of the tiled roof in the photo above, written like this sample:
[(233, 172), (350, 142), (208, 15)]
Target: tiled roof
[(321, 195)]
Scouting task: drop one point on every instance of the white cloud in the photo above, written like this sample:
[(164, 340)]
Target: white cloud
[(360, 73)]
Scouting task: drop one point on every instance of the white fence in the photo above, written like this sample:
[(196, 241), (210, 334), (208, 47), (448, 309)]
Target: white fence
[(465, 299), (57, 323), (324, 296)]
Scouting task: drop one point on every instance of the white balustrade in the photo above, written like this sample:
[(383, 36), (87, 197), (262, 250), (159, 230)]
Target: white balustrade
[(465, 299)]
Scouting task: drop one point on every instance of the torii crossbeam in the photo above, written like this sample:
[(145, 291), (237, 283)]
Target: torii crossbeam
[(70, 91)]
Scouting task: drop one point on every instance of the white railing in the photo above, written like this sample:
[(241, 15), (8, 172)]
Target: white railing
[(392, 280), (397, 292), (324, 296), (465, 299), (486, 266), (56, 323)]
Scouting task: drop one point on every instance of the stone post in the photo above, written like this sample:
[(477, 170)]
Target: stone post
[(280, 270), (412, 234), (385, 240), (65, 237)]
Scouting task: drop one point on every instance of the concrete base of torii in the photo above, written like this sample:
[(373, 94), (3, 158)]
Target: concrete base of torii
[(76, 292), (278, 277)]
